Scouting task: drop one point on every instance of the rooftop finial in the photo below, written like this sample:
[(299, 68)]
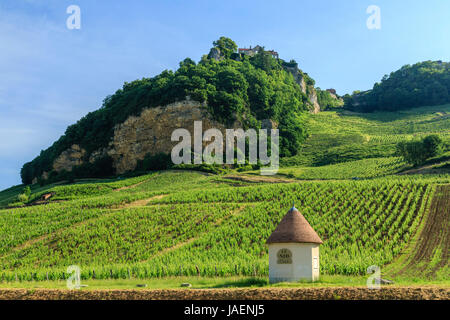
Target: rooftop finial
[(293, 204)]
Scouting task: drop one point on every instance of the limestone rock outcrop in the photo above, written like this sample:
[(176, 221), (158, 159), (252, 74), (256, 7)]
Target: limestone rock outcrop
[(151, 132), (69, 158), (215, 54), (314, 104), (148, 133), (309, 90)]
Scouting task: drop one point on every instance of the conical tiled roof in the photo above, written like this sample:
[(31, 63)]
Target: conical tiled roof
[(294, 228)]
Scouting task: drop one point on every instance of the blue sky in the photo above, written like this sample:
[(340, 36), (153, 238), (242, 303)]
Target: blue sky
[(51, 76)]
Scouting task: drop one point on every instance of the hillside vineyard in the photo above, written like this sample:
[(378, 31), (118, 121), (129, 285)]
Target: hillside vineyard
[(157, 228)]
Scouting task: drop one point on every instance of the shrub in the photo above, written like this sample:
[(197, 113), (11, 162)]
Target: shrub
[(160, 161), (417, 152), (243, 168), (432, 145), (22, 198), (27, 191), (290, 174)]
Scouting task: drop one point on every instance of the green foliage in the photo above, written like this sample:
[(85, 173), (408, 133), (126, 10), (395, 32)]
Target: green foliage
[(308, 80), (264, 61), (243, 168), (27, 191), (163, 227), (226, 46), (412, 152), (292, 133), (422, 84), (432, 145), (204, 167), (358, 169), (160, 161), (361, 222), (86, 189), (247, 91), (291, 64), (342, 136), (326, 101), (417, 152), (22, 198), (25, 195)]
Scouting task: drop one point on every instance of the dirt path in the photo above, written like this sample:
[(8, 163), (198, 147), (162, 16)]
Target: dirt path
[(132, 186), (140, 203), (430, 169), (258, 179), (341, 293), (434, 239)]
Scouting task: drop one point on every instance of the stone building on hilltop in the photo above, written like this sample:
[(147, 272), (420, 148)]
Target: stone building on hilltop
[(252, 51)]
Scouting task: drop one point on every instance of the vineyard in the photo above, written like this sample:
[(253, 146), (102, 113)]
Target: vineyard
[(342, 136), (186, 223), (177, 223), (365, 168)]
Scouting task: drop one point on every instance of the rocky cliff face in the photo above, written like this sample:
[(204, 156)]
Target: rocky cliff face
[(314, 104), (151, 132), (66, 161), (215, 53), (309, 90), (148, 133), (69, 158)]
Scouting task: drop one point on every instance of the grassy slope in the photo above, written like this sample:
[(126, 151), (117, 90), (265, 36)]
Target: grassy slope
[(350, 135), (427, 253), (133, 229), (344, 136)]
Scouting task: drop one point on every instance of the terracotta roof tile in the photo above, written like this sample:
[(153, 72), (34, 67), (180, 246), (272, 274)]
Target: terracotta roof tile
[(294, 228)]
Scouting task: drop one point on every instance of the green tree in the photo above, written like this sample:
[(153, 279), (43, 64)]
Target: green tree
[(422, 84), (160, 161), (248, 90), (226, 46), (263, 60), (417, 152), (432, 145), (412, 152)]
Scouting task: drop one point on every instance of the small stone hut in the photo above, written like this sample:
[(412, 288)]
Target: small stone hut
[(293, 250)]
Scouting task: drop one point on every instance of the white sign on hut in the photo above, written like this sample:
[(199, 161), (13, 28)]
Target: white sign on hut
[(293, 250)]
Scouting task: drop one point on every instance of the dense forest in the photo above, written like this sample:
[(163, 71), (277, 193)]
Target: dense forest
[(422, 84), (235, 87)]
